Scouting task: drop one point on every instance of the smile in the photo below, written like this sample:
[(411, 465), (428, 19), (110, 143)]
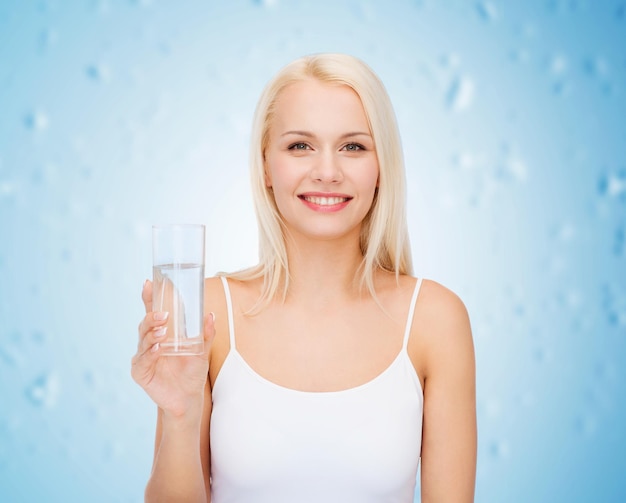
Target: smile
[(325, 201)]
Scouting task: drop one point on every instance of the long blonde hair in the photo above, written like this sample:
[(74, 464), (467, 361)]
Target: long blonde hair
[(384, 238)]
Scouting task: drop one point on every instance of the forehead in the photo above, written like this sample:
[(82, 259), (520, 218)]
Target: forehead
[(312, 104)]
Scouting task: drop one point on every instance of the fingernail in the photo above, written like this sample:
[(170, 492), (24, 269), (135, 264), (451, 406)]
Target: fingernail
[(160, 316), (160, 332), (212, 316), (155, 348), (145, 283)]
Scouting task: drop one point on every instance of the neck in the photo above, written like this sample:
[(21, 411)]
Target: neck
[(323, 272)]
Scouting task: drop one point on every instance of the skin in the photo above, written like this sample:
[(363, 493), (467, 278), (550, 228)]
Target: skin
[(320, 144)]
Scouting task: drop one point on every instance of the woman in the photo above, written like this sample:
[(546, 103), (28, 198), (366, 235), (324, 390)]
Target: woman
[(331, 371)]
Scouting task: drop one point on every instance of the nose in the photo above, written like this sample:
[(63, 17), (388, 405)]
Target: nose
[(327, 168)]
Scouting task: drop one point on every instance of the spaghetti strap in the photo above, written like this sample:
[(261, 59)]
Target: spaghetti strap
[(409, 320), (229, 306)]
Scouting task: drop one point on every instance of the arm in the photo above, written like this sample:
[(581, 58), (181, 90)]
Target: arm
[(179, 387), (181, 467), (448, 469)]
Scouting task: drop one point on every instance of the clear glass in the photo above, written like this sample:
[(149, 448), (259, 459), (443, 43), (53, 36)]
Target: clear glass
[(178, 285)]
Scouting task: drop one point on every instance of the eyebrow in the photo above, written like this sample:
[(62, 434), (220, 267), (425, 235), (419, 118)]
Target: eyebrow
[(311, 135)]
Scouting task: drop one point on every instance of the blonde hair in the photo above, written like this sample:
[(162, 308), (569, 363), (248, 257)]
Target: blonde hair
[(384, 238)]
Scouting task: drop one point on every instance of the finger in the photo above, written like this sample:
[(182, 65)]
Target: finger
[(152, 329), (209, 329), (146, 295), (142, 365)]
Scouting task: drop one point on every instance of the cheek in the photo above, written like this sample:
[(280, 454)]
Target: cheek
[(371, 176), (279, 172)]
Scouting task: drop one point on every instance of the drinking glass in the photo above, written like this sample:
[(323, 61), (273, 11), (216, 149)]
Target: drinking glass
[(178, 285)]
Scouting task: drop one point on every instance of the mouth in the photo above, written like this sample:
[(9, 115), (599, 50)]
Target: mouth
[(324, 200)]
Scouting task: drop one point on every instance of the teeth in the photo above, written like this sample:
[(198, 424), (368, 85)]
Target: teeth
[(325, 201)]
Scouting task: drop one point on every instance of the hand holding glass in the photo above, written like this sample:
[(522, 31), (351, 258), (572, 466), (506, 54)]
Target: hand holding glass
[(178, 285)]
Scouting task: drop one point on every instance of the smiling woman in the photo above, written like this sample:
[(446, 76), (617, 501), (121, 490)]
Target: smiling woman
[(331, 372), (312, 153)]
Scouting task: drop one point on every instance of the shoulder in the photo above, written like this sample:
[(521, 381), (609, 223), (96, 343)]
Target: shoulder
[(217, 294), (215, 302), (441, 332), (213, 287), (242, 294), (439, 305)]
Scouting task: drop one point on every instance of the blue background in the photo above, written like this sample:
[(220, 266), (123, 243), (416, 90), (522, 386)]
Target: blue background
[(118, 114)]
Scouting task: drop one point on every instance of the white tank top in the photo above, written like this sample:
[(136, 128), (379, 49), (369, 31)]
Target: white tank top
[(272, 444)]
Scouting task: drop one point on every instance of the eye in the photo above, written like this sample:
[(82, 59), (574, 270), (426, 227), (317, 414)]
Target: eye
[(298, 146), (353, 147)]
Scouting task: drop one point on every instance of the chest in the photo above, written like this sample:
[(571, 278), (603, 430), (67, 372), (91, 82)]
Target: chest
[(336, 348)]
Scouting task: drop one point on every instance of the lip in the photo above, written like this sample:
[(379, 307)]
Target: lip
[(323, 201)]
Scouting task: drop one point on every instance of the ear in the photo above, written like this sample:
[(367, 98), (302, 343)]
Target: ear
[(266, 175)]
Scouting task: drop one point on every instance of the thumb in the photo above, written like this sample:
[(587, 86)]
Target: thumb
[(209, 328), (146, 295)]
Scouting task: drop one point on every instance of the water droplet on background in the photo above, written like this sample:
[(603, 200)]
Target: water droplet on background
[(102, 7), (38, 337), (44, 390), (461, 94), (606, 371), (450, 60), (540, 355), (48, 38), (519, 310), (558, 65), (37, 120), (499, 449), (493, 409), (487, 11), (596, 67), (7, 188), (612, 185), (561, 88), (563, 5), (66, 255), (113, 450), (11, 355), (564, 233), (571, 299), (520, 55), (45, 174), (99, 72), (614, 305), (90, 379), (513, 168), (586, 425), (465, 160), (266, 3)]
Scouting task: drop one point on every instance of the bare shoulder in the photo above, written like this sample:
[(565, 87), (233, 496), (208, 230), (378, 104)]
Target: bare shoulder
[(441, 333), (440, 305), (213, 288), (243, 294)]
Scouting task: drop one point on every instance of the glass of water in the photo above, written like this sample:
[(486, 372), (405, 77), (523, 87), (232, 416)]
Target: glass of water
[(178, 285)]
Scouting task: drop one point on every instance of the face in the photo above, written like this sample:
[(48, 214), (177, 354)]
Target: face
[(321, 161)]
